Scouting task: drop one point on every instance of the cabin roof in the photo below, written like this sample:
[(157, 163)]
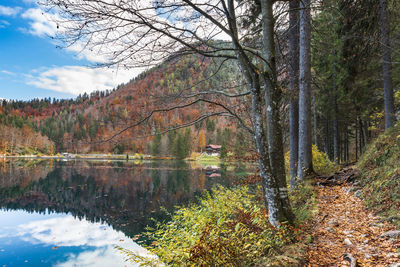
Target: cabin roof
[(214, 146)]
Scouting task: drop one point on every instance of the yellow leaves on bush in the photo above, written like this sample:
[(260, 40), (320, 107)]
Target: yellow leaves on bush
[(321, 163), (226, 227)]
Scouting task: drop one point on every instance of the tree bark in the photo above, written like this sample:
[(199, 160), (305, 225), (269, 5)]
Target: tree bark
[(315, 120), (328, 135), (356, 137), (362, 136), (277, 213), (336, 136), (386, 65), (305, 154), (294, 88), (272, 173), (273, 101)]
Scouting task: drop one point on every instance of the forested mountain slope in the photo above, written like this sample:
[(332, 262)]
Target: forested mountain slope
[(83, 124)]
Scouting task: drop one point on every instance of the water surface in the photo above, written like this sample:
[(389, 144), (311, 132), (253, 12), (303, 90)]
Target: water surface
[(74, 213)]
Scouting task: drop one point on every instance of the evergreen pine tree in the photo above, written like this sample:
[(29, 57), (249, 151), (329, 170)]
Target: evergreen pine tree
[(156, 147), (224, 152)]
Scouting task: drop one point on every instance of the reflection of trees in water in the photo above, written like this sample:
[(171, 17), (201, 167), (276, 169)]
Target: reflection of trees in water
[(21, 173), (121, 194)]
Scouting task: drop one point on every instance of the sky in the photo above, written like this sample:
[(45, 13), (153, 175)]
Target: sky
[(31, 65)]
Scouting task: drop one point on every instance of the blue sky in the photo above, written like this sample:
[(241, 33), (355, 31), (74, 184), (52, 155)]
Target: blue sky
[(31, 66)]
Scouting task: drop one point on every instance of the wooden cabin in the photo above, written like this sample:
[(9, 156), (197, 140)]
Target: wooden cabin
[(213, 149)]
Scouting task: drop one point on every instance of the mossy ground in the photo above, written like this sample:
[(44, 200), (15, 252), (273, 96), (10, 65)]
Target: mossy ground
[(380, 175)]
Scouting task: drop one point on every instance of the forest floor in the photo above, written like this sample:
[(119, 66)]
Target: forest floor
[(344, 232)]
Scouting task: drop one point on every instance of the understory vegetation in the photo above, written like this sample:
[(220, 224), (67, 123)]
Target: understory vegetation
[(380, 175), (230, 227), (321, 162)]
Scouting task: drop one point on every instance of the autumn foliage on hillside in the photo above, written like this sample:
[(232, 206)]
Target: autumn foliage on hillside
[(86, 124), (23, 141)]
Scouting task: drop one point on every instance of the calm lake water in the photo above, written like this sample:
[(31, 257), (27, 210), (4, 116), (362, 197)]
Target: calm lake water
[(73, 213)]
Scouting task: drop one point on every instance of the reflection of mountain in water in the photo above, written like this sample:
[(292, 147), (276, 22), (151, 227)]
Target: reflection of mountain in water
[(122, 194)]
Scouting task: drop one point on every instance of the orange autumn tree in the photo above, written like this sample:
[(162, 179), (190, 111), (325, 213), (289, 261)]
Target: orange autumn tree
[(202, 141)]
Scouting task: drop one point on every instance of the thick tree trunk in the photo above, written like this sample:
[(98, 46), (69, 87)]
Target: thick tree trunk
[(294, 88), (275, 190), (305, 154), (277, 211), (386, 66), (273, 101)]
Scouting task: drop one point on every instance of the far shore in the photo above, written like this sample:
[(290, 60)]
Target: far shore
[(70, 156), (83, 157)]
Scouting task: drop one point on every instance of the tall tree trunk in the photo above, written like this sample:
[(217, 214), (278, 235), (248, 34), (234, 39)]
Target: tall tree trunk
[(336, 137), (277, 211), (275, 194), (294, 88), (273, 102), (356, 137), (362, 136), (386, 65), (327, 136), (346, 144), (315, 120), (305, 154)]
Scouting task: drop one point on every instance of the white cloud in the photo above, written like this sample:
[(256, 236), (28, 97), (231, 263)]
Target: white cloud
[(41, 23), (100, 257), (4, 23), (8, 72), (96, 241), (68, 231), (78, 79), (9, 11), (82, 53)]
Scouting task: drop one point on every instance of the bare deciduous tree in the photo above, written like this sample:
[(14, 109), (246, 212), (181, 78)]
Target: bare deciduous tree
[(139, 33)]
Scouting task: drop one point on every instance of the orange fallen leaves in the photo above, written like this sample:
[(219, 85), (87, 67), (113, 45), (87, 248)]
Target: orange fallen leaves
[(344, 216)]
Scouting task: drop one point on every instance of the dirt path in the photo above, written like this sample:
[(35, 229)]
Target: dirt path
[(345, 232)]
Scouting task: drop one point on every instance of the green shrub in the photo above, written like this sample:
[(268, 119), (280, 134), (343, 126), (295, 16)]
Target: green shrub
[(321, 163), (227, 227)]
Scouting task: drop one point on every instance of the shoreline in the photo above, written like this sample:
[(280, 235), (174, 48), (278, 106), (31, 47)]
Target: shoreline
[(82, 157), (208, 160), (100, 157)]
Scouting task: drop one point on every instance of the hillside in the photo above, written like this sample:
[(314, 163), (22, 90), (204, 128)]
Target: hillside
[(81, 125), (380, 175)]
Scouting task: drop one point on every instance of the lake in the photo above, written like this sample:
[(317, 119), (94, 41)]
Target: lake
[(73, 213)]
